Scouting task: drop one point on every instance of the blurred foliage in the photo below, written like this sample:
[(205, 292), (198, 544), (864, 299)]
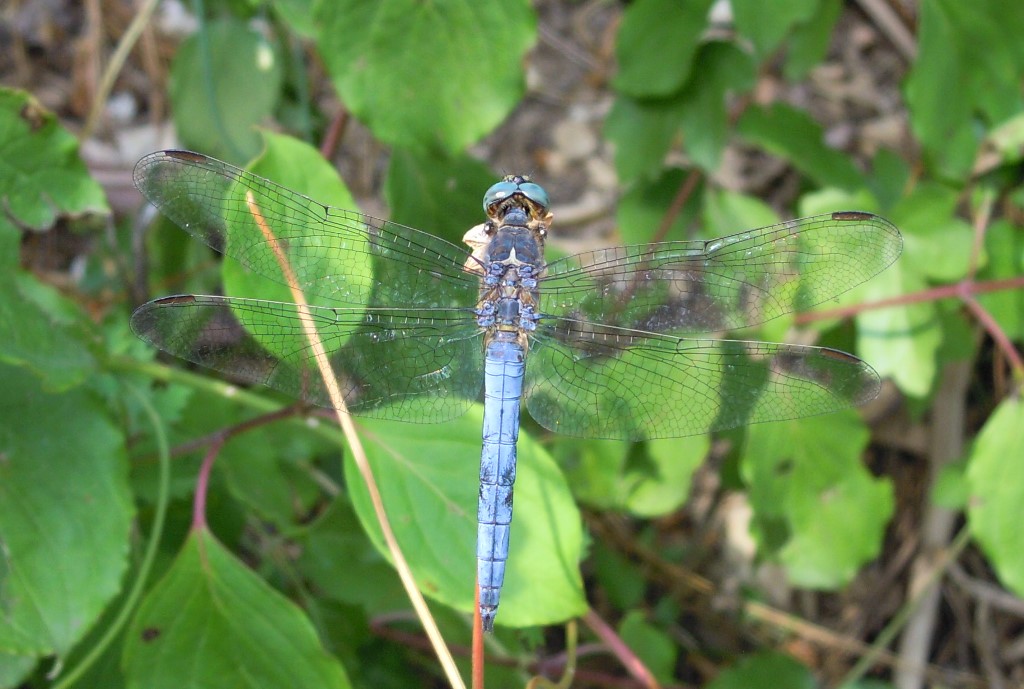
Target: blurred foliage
[(430, 80)]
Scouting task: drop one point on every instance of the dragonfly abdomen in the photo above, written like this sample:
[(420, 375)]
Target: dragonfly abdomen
[(504, 365)]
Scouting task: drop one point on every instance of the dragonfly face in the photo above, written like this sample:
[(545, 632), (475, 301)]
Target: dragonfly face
[(621, 342), (511, 186)]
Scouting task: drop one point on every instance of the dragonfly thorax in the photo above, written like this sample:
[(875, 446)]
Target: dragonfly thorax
[(514, 245)]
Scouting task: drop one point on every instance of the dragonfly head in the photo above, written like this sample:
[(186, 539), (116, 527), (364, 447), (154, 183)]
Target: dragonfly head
[(516, 191)]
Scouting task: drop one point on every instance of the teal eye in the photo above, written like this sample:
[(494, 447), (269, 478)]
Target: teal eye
[(499, 192), (535, 193)]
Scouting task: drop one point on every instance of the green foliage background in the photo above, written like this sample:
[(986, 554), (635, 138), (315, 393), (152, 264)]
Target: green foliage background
[(103, 571)]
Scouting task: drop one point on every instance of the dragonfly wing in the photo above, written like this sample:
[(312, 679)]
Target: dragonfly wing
[(722, 284), (339, 257), (414, 365), (596, 381)]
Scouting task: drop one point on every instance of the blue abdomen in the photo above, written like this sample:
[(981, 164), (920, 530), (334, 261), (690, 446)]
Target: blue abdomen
[(503, 388)]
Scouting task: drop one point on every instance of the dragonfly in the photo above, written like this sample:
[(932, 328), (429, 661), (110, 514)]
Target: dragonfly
[(622, 343)]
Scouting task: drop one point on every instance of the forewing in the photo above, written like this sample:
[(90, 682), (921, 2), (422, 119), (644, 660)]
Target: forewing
[(413, 365), (721, 284), (339, 257), (596, 381)]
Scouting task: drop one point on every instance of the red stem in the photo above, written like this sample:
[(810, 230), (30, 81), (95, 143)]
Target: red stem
[(203, 484), (618, 647), (965, 291), (960, 290)]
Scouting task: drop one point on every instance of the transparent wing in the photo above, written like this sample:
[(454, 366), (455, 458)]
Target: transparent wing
[(422, 365), (721, 284), (339, 257), (596, 381)]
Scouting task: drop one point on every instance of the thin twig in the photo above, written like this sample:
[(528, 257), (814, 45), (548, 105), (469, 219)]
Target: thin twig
[(986, 641), (335, 131), (900, 619), (890, 24), (117, 61), (568, 667), (985, 592), (683, 195), (945, 444), (677, 579)]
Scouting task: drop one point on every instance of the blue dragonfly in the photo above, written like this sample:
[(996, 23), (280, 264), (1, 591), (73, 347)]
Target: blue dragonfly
[(621, 343)]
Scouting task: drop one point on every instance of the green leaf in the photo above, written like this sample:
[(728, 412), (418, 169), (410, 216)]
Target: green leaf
[(41, 175), (338, 558), (14, 669), (45, 332), (936, 242), (950, 62), (298, 14), (654, 647), (428, 480), (656, 45), (642, 210), (65, 514), (889, 177), (642, 132), (299, 166), (1004, 245), (792, 134), (225, 79), (266, 468), (211, 622), (1004, 143), (766, 23), (646, 480), (997, 491), (810, 40), (427, 75), (661, 486), (723, 69), (728, 212), (437, 193), (765, 670), (807, 480), (903, 342), (620, 581)]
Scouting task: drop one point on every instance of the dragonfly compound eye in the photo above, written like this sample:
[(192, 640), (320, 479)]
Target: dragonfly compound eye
[(516, 185), (499, 192), (535, 193)]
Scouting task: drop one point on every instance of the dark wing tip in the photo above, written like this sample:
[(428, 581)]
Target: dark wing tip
[(853, 215), (868, 384), (142, 318), (149, 160), (188, 156), (894, 246), (175, 299)]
